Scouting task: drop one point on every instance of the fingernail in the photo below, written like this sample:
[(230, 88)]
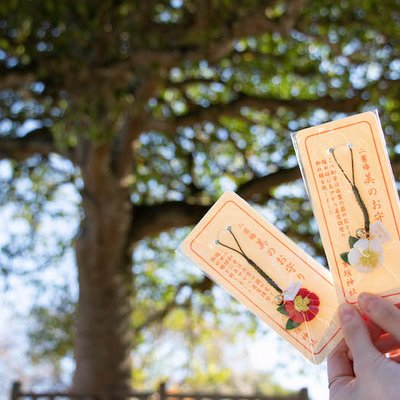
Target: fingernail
[(367, 301), (346, 312)]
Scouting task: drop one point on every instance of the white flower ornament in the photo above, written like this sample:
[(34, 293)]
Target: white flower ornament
[(366, 248), (366, 255)]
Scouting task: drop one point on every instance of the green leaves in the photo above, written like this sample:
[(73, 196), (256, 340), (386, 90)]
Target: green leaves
[(290, 324), (282, 310), (214, 122), (352, 241), (344, 257)]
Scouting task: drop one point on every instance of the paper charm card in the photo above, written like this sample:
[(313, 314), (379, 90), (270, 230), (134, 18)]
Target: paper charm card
[(267, 272), (350, 183)]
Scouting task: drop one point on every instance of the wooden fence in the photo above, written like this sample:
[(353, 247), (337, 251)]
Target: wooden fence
[(17, 393)]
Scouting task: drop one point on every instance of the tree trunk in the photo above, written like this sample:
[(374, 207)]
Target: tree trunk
[(103, 253)]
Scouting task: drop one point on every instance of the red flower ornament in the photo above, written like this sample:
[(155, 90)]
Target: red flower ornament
[(304, 307)]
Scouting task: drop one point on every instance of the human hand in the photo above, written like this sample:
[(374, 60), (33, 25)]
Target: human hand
[(370, 375), (383, 341)]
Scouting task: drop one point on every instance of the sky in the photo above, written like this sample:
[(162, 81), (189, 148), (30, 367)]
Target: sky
[(266, 352)]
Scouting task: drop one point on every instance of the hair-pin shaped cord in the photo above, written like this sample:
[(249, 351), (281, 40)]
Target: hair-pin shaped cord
[(354, 187), (302, 307), (249, 260)]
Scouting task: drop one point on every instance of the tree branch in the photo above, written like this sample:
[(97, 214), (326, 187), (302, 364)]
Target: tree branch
[(180, 44), (200, 286), (233, 109), (253, 24), (259, 189), (133, 125), (14, 81), (185, 48), (154, 219), (39, 141)]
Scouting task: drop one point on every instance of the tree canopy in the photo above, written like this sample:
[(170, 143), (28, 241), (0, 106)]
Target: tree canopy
[(123, 121)]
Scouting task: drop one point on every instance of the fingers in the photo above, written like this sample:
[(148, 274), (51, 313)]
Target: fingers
[(374, 332), (382, 312), (394, 356), (386, 343), (358, 339), (339, 366), (383, 341), (340, 369)]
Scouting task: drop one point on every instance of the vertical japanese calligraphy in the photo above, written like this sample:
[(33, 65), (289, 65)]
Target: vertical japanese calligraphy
[(308, 321), (357, 212)]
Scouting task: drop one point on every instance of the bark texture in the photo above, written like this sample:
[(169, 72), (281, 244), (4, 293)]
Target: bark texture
[(103, 251), (108, 65)]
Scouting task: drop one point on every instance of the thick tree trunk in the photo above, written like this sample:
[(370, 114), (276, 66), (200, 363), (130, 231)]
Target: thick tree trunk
[(102, 337)]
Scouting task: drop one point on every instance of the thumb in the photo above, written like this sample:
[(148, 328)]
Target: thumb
[(357, 338)]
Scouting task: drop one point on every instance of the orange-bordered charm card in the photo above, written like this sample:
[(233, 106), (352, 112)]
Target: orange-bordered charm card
[(355, 201), (267, 272)]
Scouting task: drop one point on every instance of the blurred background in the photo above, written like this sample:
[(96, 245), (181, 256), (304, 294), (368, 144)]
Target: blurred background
[(121, 122)]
